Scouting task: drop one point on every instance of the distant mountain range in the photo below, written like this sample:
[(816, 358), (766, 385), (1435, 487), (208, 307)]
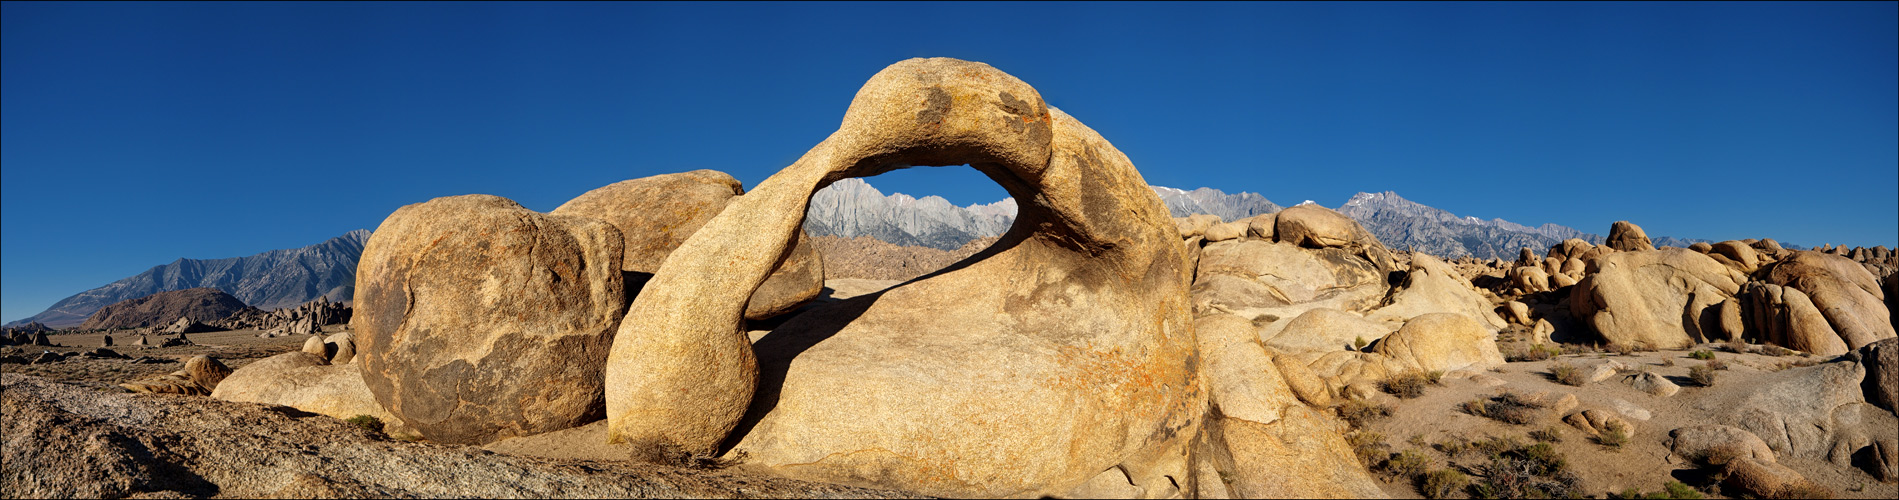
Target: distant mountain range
[(852, 208), (269, 280), (847, 208)]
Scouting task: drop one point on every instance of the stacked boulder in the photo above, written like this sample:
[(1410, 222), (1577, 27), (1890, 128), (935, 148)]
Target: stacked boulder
[(306, 319)]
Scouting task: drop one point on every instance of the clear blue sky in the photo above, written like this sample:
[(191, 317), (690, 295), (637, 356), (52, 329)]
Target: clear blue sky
[(138, 133)]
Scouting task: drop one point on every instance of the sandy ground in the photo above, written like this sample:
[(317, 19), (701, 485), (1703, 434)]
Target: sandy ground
[(1642, 463), (235, 348)]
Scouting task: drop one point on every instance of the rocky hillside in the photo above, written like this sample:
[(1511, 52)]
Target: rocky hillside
[(269, 280), (202, 305)]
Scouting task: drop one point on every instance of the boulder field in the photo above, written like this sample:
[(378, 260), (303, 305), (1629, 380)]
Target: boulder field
[(1098, 348)]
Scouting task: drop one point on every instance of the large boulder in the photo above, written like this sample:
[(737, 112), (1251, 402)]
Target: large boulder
[(1808, 412), (1657, 298), (1442, 342), (1262, 442), (1705, 442), (1326, 330), (478, 320), (1785, 316), (1842, 291), (1881, 385), (1432, 286), (306, 382), (199, 377), (655, 214), (1627, 237), (1275, 281), (1058, 354)]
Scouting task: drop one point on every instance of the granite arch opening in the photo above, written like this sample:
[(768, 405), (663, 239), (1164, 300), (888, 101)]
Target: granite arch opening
[(1072, 331)]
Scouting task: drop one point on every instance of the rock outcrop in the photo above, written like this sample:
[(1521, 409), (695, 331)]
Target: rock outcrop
[(1660, 298), (199, 376), (202, 305), (1627, 237), (655, 214), (478, 320), (1023, 351), (306, 382), (1842, 291)]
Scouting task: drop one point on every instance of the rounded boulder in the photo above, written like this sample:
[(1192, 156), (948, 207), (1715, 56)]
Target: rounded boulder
[(477, 319)]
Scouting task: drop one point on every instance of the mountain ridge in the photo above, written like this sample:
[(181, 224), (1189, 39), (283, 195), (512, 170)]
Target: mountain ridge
[(271, 279)]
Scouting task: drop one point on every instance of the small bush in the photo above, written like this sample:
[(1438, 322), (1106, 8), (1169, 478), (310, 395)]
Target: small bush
[(1407, 464), (368, 423), (1416, 440), (1703, 354), (1551, 434), (1614, 437), (1702, 375), (1359, 343), (1668, 361), (1738, 347), (1406, 385), (1680, 491), (1358, 412), (1621, 349), (1774, 350), (1568, 374), (1453, 447), (1435, 377), (1534, 471), (1443, 483), (1496, 445), (1717, 364), (1506, 407), (1368, 446), (1537, 352)]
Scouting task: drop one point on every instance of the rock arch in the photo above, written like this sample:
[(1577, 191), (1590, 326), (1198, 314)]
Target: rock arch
[(1064, 350)]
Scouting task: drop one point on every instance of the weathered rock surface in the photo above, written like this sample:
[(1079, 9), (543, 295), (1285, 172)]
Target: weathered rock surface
[(306, 382), (1842, 291), (1702, 442), (655, 214), (1031, 341), (70, 441), (1255, 279), (199, 376), (202, 305), (1658, 298), (1327, 330), (1881, 385), (1442, 342), (1785, 316), (1808, 412), (1627, 237), (1655, 385), (1433, 286), (477, 319), (1760, 479)]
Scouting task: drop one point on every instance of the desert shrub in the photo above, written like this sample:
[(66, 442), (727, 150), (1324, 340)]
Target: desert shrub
[(1537, 352), (1668, 361), (1406, 385), (1406, 464), (1551, 434), (1495, 445), (1614, 437), (368, 423), (1702, 375), (1534, 471), (1359, 412), (1621, 349), (1359, 343), (1435, 377), (1507, 407), (1368, 446), (1453, 447), (1774, 350), (1416, 440), (1443, 483), (1702, 354), (1738, 346), (1680, 491), (1568, 374), (1717, 364)]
